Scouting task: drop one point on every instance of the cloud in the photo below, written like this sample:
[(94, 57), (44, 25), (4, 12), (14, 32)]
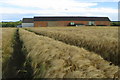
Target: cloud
[(48, 4), (43, 6), (69, 12), (56, 8)]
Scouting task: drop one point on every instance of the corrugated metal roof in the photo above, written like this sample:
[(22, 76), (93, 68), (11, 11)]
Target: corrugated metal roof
[(70, 18), (27, 20)]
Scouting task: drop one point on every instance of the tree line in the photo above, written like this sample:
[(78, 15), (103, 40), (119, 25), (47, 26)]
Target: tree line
[(115, 23), (10, 24)]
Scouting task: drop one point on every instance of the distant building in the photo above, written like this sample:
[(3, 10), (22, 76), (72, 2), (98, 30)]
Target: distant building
[(19, 26), (70, 21), (27, 22), (66, 21)]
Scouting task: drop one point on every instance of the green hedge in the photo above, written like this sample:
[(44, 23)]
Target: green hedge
[(115, 23), (10, 24)]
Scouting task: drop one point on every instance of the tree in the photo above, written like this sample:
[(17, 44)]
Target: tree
[(115, 23), (11, 24)]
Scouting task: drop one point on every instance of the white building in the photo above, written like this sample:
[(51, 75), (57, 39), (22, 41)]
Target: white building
[(27, 22)]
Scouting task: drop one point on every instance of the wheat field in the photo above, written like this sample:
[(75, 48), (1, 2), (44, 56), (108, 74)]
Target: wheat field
[(7, 49), (62, 52), (103, 41)]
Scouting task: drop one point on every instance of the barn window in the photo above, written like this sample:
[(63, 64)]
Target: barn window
[(91, 23), (71, 24)]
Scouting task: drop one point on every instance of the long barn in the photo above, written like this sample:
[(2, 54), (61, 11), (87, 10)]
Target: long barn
[(47, 21)]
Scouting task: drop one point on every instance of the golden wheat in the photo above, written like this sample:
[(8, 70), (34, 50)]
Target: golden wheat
[(7, 49), (103, 41), (53, 59)]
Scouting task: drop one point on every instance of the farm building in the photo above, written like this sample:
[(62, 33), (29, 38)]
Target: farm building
[(27, 22), (70, 21)]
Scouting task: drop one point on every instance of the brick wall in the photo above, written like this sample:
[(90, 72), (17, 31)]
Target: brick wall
[(102, 23), (65, 23), (40, 23)]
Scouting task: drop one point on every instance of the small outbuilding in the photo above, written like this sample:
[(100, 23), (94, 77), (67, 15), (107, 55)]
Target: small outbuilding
[(28, 22)]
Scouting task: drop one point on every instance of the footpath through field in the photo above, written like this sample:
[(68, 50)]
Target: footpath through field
[(13, 56)]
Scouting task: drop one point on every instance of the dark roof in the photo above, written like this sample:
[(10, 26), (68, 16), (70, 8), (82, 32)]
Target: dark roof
[(115, 21), (70, 18), (27, 20)]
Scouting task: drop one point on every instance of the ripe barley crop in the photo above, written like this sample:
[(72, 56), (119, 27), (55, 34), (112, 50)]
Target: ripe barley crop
[(7, 49), (103, 41), (53, 59)]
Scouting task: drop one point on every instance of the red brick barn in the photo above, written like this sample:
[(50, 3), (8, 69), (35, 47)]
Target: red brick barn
[(70, 21)]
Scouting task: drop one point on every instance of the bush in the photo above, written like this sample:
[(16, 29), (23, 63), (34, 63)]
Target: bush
[(115, 23), (10, 24)]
